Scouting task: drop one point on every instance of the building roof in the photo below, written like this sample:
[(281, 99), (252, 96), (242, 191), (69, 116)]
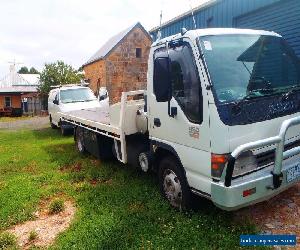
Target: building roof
[(113, 42), (14, 82), (187, 13)]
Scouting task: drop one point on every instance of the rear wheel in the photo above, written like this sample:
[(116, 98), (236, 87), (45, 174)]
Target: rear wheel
[(51, 123), (79, 141), (173, 183)]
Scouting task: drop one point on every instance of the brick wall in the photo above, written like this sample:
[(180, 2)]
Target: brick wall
[(121, 70), (15, 100), (95, 72), (125, 72)]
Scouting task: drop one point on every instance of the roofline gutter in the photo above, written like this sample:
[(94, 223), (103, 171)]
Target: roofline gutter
[(185, 14)]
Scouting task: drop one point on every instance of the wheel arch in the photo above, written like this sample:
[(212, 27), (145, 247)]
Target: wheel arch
[(159, 150)]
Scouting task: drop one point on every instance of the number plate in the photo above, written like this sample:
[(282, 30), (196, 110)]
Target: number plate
[(293, 173)]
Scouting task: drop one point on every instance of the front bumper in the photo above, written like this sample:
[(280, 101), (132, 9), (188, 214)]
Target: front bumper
[(231, 198), (228, 194)]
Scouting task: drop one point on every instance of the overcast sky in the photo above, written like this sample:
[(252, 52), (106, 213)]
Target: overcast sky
[(34, 32)]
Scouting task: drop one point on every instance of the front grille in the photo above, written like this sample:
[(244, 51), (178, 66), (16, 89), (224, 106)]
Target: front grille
[(268, 157)]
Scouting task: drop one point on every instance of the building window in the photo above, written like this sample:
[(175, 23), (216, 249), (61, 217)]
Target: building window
[(138, 52), (209, 22), (7, 101)]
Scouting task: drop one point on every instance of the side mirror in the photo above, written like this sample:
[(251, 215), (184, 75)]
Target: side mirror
[(103, 94), (162, 79), (102, 97), (55, 102)]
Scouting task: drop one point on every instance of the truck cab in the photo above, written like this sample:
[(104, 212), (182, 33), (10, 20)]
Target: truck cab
[(223, 106)]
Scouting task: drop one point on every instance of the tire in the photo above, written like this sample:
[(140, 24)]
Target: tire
[(79, 141), (173, 184), (53, 126), (63, 130)]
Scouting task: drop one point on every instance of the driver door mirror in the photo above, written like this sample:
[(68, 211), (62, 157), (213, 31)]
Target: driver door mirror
[(162, 79), (55, 102), (103, 94)]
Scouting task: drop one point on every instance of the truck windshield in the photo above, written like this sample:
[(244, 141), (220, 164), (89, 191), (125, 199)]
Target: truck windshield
[(77, 95), (246, 66)]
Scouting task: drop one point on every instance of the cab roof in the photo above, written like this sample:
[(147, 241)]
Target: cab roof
[(69, 87), (192, 34)]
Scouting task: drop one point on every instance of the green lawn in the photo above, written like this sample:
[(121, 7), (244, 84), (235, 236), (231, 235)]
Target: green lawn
[(118, 207)]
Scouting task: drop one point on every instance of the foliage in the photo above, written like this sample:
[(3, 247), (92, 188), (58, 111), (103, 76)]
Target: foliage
[(56, 206), (24, 70), (7, 240), (117, 207), (32, 236), (33, 71), (57, 73)]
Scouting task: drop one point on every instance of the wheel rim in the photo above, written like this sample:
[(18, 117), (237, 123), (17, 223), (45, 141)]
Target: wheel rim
[(79, 145), (172, 188), (143, 162)]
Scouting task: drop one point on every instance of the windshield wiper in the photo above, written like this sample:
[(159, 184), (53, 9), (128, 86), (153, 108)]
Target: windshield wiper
[(292, 90)]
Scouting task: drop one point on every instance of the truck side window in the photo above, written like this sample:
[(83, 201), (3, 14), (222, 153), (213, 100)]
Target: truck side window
[(186, 88)]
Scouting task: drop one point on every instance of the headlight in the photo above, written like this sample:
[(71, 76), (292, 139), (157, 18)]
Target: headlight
[(246, 162)]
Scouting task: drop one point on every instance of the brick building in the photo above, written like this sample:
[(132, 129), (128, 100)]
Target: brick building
[(121, 63)]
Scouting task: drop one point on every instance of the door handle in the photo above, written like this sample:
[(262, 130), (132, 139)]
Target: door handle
[(157, 122)]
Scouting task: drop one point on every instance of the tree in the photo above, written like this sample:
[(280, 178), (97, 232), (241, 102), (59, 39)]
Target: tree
[(58, 73), (33, 71), (23, 70)]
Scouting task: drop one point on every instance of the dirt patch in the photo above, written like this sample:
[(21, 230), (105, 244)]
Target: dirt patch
[(94, 182), (46, 226), (279, 215), (76, 167), (136, 207), (32, 123), (95, 162)]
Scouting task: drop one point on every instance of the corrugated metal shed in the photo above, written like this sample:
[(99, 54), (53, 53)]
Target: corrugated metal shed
[(216, 14), (282, 17)]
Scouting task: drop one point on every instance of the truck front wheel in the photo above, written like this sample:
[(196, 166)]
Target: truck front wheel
[(173, 184)]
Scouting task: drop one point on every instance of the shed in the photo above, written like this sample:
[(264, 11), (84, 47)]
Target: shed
[(281, 16)]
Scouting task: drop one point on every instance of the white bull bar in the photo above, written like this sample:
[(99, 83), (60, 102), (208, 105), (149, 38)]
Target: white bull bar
[(280, 154)]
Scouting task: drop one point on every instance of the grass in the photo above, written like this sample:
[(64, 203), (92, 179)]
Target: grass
[(32, 236), (56, 206), (118, 207), (7, 241)]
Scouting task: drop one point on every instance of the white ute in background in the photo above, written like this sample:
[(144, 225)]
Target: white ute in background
[(71, 98)]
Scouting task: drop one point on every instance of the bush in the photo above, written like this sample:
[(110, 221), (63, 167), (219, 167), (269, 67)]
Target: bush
[(7, 240), (56, 206), (32, 236)]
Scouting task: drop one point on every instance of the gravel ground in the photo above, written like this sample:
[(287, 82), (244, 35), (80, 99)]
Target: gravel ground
[(279, 215), (33, 123)]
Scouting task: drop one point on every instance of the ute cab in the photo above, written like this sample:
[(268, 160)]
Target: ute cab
[(223, 106)]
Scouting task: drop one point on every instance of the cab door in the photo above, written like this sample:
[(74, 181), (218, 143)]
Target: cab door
[(183, 122)]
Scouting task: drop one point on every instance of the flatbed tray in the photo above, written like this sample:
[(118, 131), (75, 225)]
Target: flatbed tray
[(99, 114)]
